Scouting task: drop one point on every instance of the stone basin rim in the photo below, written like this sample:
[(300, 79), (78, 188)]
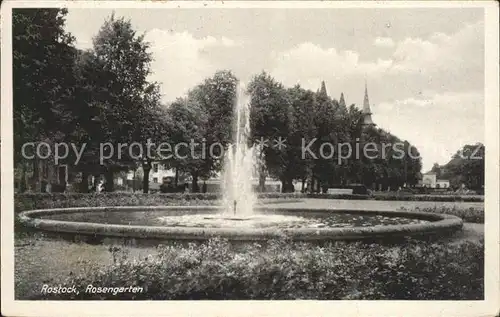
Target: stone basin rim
[(438, 223)]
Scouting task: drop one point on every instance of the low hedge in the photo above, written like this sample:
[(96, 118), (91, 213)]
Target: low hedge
[(474, 215), (27, 201), (216, 270), (431, 197)]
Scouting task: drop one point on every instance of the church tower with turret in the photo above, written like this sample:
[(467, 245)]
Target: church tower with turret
[(367, 113)]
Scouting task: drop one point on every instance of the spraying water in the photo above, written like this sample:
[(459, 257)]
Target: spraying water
[(239, 197)]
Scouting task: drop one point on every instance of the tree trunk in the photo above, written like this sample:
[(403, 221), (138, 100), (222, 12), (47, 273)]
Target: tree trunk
[(313, 184), (194, 187), (36, 179), (96, 181), (262, 172), (146, 168), (22, 181), (303, 185), (133, 181), (287, 184), (309, 180), (176, 180), (262, 182), (110, 186), (84, 184)]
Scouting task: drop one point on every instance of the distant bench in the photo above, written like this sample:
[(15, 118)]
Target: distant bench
[(339, 191)]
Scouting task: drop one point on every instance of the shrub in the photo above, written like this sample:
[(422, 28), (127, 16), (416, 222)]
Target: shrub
[(66, 200), (28, 201), (283, 270), (58, 200), (475, 215), (429, 197)]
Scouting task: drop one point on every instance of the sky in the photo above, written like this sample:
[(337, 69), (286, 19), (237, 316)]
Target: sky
[(424, 68)]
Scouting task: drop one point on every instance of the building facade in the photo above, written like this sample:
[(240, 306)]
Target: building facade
[(430, 180)]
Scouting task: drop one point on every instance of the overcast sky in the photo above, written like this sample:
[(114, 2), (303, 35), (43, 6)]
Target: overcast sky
[(424, 67)]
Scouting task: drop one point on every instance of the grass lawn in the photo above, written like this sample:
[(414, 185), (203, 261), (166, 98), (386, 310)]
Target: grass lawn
[(40, 260)]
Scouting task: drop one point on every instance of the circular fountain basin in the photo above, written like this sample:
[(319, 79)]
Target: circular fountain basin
[(201, 223)]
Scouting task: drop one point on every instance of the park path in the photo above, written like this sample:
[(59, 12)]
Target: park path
[(470, 232), (372, 204)]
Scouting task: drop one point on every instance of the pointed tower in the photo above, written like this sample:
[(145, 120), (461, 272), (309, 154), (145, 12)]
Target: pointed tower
[(367, 113)]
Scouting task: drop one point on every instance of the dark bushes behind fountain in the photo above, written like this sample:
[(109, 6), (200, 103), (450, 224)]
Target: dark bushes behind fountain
[(44, 200), (283, 270)]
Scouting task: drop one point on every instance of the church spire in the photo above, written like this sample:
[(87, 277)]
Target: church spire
[(367, 113)]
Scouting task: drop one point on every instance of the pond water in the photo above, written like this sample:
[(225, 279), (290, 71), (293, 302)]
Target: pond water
[(213, 219)]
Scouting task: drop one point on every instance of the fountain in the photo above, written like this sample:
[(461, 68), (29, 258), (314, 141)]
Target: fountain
[(239, 218), (239, 198)]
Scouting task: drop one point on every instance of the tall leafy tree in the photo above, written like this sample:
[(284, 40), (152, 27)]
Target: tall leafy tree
[(270, 119), (216, 95), (125, 98), (188, 122), (326, 122), (43, 59), (467, 167), (303, 130)]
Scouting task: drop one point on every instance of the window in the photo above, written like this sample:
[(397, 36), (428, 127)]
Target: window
[(155, 180), (155, 167)]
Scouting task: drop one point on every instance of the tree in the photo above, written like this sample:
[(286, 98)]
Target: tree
[(188, 121), (89, 109), (436, 169), (125, 102), (216, 95), (303, 130), (270, 118), (467, 167), (327, 132), (43, 56), (151, 134)]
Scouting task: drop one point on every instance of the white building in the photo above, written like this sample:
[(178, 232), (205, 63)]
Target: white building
[(156, 175), (430, 180), (442, 183)]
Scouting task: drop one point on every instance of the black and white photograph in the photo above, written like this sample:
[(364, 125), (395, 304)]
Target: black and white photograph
[(218, 158)]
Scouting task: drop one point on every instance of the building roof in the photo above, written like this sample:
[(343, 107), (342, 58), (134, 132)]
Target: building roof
[(367, 113)]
